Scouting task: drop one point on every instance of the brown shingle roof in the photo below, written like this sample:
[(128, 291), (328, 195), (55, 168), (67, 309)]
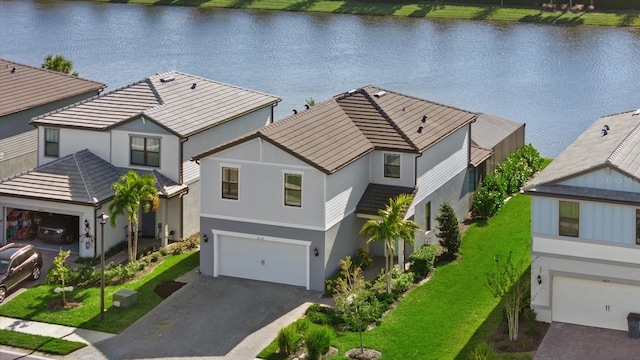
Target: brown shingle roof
[(478, 155), (337, 132), (170, 99), (79, 178), (29, 86)]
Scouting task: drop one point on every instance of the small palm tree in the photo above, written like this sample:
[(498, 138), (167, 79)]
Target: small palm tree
[(59, 64), (391, 227), (132, 193)]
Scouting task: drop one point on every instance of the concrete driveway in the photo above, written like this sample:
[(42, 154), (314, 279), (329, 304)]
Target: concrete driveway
[(224, 318), (575, 342)]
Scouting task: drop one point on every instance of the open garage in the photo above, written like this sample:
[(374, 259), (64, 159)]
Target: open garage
[(247, 256), (44, 229)]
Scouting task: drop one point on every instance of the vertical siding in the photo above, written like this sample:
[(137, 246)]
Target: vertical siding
[(441, 163), (407, 177), (544, 215), (261, 191), (608, 179), (344, 190)]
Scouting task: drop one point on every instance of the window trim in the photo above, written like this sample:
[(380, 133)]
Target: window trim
[(145, 151), (385, 164), (637, 226), (46, 142), (222, 182), (284, 187), (427, 216), (570, 220)]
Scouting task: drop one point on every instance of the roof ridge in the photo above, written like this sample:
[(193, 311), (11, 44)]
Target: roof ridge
[(388, 119), (292, 117), (225, 84), (421, 99), (55, 72), (155, 93), (85, 179), (618, 113), (611, 158)]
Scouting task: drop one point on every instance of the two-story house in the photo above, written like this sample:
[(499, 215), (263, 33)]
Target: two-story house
[(27, 92), (585, 228), (286, 203), (152, 126)]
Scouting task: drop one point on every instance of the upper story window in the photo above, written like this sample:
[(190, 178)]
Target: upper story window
[(230, 183), (145, 151), (392, 166), (52, 142), (427, 216), (293, 189), (638, 226), (569, 218)]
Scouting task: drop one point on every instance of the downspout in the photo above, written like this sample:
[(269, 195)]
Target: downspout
[(181, 176)]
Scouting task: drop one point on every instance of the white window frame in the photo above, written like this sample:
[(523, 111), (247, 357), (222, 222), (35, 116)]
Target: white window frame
[(384, 165), (229, 166), (46, 142), (284, 190)]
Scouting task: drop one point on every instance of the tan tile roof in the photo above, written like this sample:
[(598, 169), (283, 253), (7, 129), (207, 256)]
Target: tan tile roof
[(27, 86), (80, 178), (170, 99), (337, 132), (489, 130), (619, 149), (478, 155)]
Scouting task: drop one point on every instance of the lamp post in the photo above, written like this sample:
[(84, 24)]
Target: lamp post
[(103, 220)]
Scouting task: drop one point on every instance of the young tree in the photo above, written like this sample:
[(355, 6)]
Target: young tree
[(133, 193), (60, 270), (507, 284), (448, 229), (357, 305), (389, 227), (58, 63)]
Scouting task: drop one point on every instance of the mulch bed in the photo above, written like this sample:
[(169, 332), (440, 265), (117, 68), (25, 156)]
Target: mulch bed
[(530, 336), (58, 304), (167, 288)]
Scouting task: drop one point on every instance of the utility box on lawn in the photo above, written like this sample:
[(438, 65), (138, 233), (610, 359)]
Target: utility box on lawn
[(125, 298), (634, 325)]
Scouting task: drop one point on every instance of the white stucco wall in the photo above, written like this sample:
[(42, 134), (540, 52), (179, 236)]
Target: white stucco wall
[(376, 172), (344, 190), (74, 140)]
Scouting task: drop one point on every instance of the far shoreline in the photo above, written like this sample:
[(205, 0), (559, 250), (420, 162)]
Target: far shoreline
[(423, 9)]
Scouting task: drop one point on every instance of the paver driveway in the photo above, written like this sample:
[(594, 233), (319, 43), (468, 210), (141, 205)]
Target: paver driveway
[(208, 317)]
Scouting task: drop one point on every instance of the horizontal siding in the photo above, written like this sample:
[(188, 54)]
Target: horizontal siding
[(21, 144), (190, 172), (605, 179), (441, 163), (344, 190)]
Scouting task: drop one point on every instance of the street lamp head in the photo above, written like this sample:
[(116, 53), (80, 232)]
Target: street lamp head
[(103, 218)]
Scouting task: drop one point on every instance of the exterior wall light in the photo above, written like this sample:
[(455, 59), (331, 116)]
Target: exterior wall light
[(205, 238), (539, 280), (315, 252)]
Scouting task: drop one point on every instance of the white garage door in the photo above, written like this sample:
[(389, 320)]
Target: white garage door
[(273, 260), (594, 303)]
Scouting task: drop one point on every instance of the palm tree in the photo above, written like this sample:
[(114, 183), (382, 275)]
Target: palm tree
[(58, 63), (133, 192), (391, 227)]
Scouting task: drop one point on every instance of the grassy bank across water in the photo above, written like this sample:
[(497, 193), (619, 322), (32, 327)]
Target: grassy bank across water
[(433, 10)]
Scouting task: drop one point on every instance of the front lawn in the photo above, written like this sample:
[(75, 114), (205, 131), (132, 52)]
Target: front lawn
[(39, 343), (32, 304), (449, 315)]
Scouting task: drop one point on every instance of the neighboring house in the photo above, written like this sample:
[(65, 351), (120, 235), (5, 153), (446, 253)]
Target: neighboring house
[(285, 203), (26, 92), (585, 228), (151, 126), (492, 140)]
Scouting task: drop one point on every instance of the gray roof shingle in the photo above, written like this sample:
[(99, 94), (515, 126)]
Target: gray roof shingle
[(27, 87), (80, 178), (337, 132), (170, 99), (489, 130), (377, 196)]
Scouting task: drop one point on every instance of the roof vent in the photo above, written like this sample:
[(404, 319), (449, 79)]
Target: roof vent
[(167, 79), (424, 118), (351, 92), (606, 127), (13, 71), (604, 132), (380, 94), (193, 86), (637, 112), (295, 111), (306, 106), (420, 130)]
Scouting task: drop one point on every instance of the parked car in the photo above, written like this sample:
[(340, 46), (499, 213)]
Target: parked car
[(58, 229), (18, 262)]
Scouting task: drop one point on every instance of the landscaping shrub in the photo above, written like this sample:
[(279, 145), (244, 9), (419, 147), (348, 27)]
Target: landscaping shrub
[(288, 340), (422, 261), (400, 281), (364, 259), (449, 229), (482, 351), (332, 283), (489, 197), (155, 256), (317, 340)]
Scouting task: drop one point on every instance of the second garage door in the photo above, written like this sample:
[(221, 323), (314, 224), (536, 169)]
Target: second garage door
[(594, 303), (275, 260)]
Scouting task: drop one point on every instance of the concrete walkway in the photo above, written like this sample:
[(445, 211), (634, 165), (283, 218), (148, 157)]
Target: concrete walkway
[(52, 330)]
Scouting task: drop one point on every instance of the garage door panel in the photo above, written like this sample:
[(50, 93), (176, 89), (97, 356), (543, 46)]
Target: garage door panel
[(593, 303), (263, 260)]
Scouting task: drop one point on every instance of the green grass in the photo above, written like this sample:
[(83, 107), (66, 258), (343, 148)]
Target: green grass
[(423, 9), (32, 304), (39, 343), (448, 316)]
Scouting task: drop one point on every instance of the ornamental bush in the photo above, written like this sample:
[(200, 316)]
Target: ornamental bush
[(317, 340), (288, 339), (449, 229), (423, 261)]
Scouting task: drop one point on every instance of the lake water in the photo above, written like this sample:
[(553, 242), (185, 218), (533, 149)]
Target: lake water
[(556, 79)]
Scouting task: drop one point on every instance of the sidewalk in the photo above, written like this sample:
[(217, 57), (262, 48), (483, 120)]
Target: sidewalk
[(56, 331)]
